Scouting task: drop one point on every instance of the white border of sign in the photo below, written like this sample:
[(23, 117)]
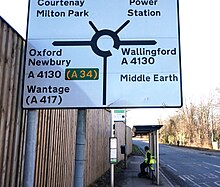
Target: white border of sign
[(69, 66)]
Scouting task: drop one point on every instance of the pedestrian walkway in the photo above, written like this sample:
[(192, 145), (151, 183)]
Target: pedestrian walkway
[(129, 177)]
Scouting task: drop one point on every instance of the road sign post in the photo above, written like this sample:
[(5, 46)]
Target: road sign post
[(30, 148), (102, 54), (80, 148)]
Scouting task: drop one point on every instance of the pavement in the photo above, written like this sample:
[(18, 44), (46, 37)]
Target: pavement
[(129, 177)]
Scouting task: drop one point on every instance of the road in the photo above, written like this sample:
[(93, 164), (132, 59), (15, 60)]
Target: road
[(189, 167)]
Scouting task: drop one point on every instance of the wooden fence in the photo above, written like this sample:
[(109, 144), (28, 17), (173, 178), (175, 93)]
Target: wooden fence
[(56, 132), (54, 164), (12, 128)]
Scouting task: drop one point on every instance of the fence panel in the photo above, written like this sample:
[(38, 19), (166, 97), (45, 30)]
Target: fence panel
[(11, 120)]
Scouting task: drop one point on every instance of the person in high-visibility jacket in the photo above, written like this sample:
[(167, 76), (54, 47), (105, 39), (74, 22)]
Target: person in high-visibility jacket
[(148, 160)]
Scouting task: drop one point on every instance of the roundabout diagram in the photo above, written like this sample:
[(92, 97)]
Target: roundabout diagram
[(93, 43)]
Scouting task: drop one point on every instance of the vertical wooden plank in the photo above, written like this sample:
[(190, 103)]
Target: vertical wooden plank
[(59, 141), (60, 166), (6, 105), (48, 146), (54, 150), (17, 111), (64, 147), (3, 111), (53, 166), (51, 155), (3, 36), (58, 182), (71, 145), (12, 109), (44, 137), (65, 143), (44, 148), (3, 50), (67, 151), (22, 149)]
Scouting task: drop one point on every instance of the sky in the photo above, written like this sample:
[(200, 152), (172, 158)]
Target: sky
[(200, 40)]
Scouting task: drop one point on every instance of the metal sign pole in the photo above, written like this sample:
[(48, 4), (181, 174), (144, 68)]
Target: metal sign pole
[(126, 148), (112, 135), (30, 148), (158, 159), (112, 175), (80, 148)]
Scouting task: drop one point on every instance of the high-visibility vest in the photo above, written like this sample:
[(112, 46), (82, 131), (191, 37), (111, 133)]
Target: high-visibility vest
[(152, 158)]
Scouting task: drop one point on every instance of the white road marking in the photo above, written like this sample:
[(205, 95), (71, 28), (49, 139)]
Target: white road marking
[(211, 164), (217, 183), (171, 185), (162, 161), (206, 185), (211, 176), (188, 177), (194, 177), (192, 181), (182, 178), (217, 171), (202, 176), (172, 168)]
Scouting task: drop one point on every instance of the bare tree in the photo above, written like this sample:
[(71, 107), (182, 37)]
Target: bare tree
[(193, 125)]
